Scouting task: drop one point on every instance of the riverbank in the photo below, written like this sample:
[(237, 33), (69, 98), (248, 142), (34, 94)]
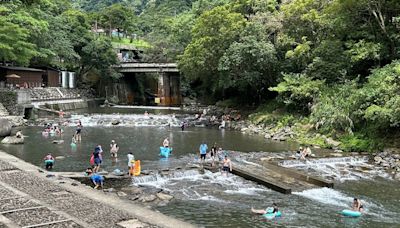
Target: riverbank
[(273, 122), (36, 196)]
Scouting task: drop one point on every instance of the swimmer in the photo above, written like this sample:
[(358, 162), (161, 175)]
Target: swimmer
[(357, 205), (166, 142), (267, 210)]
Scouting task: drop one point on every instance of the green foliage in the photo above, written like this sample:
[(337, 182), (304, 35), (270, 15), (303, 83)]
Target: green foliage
[(213, 33), (334, 109), (298, 91), (249, 64), (359, 142), (14, 34)]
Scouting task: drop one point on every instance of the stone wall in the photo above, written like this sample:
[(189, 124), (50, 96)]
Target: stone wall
[(9, 100)]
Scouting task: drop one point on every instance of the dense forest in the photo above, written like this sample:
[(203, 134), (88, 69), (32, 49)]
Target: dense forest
[(333, 64)]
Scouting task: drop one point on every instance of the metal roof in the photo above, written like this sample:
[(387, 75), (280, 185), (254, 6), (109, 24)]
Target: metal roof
[(21, 68)]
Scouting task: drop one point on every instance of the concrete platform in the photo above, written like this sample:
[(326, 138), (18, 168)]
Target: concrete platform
[(30, 197), (280, 179)]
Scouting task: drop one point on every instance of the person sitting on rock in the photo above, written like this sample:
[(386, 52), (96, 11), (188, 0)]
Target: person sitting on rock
[(306, 153), (19, 134), (96, 179)]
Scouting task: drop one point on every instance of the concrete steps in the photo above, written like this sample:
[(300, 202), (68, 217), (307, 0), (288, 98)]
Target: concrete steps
[(3, 110)]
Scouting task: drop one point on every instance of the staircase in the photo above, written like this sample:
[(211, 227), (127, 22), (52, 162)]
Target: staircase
[(3, 110)]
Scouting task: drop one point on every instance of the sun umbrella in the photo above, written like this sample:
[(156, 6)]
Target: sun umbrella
[(13, 76)]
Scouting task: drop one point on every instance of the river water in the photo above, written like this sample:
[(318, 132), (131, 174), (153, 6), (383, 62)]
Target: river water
[(210, 199)]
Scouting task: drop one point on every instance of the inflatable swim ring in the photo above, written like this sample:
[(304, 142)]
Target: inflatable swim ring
[(73, 144), (269, 215), (272, 215), (165, 151), (351, 213)]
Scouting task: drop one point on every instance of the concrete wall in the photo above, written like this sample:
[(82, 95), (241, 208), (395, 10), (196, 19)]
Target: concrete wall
[(23, 97)]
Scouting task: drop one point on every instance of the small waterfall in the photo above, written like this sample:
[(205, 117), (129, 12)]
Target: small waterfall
[(322, 161), (158, 180), (125, 120), (341, 169)]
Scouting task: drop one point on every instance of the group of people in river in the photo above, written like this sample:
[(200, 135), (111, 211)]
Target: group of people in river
[(215, 154)]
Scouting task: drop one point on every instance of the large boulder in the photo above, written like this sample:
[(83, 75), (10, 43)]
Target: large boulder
[(5, 127), (12, 140)]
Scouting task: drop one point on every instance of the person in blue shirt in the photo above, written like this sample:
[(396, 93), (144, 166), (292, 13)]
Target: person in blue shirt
[(96, 179), (203, 151)]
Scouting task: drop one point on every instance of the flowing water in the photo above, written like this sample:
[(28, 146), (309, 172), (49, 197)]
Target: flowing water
[(210, 199)]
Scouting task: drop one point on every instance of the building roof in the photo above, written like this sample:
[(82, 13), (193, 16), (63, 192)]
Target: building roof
[(21, 68)]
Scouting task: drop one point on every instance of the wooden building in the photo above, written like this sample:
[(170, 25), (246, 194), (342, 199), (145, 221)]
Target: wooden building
[(51, 77), (29, 77), (21, 76)]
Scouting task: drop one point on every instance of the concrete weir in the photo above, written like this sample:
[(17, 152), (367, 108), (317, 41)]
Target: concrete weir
[(32, 197), (280, 179)]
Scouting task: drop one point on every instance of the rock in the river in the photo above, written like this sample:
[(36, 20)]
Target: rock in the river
[(115, 122), (147, 199), (378, 159), (5, 127), (163, 196), (121, 194), (332, 142), (336, 154), (397, 176), (12, 140), (132, 190), (267, 136)]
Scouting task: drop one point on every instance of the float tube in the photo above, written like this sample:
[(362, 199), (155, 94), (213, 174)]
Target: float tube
[(136, 168), (73, 145), (351, 213), (269, 215), (165, 151)]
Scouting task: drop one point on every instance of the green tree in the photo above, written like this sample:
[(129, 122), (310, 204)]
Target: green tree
[(213, 33), (249, 65)]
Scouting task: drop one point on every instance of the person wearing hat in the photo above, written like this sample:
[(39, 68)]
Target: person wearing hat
[(114, 149)]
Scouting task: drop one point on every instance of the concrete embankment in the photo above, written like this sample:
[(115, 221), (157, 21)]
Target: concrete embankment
[(33, 197)]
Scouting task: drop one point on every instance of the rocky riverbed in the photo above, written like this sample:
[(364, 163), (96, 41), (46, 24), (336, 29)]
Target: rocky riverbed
[(390, 161)]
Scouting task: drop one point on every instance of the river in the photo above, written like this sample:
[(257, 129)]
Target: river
[(209, 199)]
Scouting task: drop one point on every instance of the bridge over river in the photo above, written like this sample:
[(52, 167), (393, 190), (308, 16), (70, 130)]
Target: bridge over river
[(167, 87)]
